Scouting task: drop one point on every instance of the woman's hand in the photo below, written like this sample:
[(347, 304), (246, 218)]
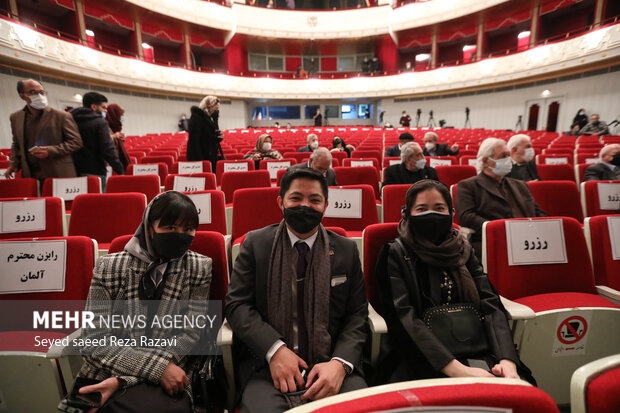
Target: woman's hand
[(174, 379), (107, 388), (506, 368), (457, 369)]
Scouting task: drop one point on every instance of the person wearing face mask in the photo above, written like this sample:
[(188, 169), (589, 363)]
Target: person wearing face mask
[(155, 268), (115, 118), (43, 138), (338, 144), (412, 168), (432, 265), (432, 148), (320, 160), (522, 155), (579, 121), (490, 194), (313, 143), (394, 151), (595, 127), (609, 166), (204, 135), (296, 302), (263, 150), (98, 149)]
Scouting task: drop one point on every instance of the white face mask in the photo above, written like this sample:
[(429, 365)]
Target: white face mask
[(266, 146), (528, 155), (38, 102), (502, 166), (103, 114), (421, 163), (314, 145), (122, 119), (429, 146)]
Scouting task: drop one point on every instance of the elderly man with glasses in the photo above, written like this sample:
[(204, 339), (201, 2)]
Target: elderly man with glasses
[(43, 138)]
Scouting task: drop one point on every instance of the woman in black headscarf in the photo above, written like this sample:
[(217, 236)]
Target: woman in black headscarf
[(155, 265), (432, 268), (204, 139)]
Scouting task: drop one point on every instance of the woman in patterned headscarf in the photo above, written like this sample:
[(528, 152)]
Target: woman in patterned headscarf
[(263, 150)]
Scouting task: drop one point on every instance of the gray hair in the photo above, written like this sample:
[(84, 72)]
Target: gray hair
[(310, 137), (605, 149), (516, 140), (432, 135), (406, 151), (487, 147), (320, 153)]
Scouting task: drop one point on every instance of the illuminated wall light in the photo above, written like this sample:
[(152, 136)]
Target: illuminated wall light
[(77, 97), (146, 46), (89, 33), (523, 35), (422, 57), (545, 93), (469, 47)]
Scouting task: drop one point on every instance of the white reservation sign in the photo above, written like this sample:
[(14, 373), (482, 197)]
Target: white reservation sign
[(69, 188), (189, 184), (535, 242), (190, 167), (23, 216), (33, 266), (203, 205), (344, 203)]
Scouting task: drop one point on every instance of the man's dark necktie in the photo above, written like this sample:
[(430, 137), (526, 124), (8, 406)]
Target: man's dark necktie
[(302, 334)]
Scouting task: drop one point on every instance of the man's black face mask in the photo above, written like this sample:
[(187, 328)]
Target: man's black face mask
[(302, 219)]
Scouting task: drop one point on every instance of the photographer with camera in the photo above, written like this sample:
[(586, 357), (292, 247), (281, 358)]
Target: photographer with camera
[(204, 132)]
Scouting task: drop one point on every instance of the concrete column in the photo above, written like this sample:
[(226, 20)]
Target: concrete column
[(535, 23), (138, 33), (434, 48), (598, 12), (187, 49), (13, 9), (480, 43), (81, 22)]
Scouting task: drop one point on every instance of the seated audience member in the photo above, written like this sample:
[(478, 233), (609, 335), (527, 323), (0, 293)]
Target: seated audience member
[(289, 126), (301, 73), (412, 168), (320, 160), (156, 265), (276, 125), (402, 139), (319, 325), (432, 265), (405, 120), (595, 127), (432, 148), (609, 166), (313, 143), (490, 195), (522, 155), (263, 150), (338, 144), (366, 65), (579, 121)]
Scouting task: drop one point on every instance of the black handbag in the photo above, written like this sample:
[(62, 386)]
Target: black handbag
[(459, 327), (209, 383)]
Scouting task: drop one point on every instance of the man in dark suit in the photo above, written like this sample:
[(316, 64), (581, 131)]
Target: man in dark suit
[(402, 139), (43, 138), (412, 169), (609, 166), (320, 160), (432, 148), (296, 304), (522, 155), (490, 195), (313, 143)]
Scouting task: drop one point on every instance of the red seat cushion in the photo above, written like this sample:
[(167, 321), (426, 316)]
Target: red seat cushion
[(603, 393), (553, 301)]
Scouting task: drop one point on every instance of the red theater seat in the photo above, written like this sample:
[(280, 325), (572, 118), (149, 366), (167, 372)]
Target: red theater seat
[(146, 184), (54, 219), (557, 198), (93, 182), (220, 167), (355, 226), (453, 174), (254, 208), (204, 167), (19, 188), (162, 170), (393, 201), (368, 175), (606, 268), (560, 172), (231, 181), (208, 180), (590, 201), (167, 159), (595, 387)]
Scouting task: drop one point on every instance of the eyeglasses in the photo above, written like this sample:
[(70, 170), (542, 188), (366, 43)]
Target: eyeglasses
[(36, 92)]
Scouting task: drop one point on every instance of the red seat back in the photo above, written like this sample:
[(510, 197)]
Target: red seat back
[(560, 172), (557, 198), (19, 188), (93, 182), (169, 160), (374, 237), (231, 181), (208, 178), (54, 219), (146, 184), (450, 175), (606, 269), (161, 167), (369, 211), (219, 168), (368, 175), (393, 201), (590, 198), (249, 199)]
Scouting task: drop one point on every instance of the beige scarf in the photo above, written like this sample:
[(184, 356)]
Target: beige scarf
[(281, 300)]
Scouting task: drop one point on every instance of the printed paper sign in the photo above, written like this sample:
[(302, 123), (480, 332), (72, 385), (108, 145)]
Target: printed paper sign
[(571, 334), (69, 188), (361, 163), (2, 172), (555, 161), (536, 242), (591, 160), (274, 167), (436, 162), (190, 167), (146, 169), (203, 205), (32, 266), (344, 203), (472, 162), (23, 216), (395, 161), (241, 166), (188, 184), (609, 195), (613, 223)]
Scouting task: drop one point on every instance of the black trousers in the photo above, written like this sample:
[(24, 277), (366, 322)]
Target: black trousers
[(146, 397)]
